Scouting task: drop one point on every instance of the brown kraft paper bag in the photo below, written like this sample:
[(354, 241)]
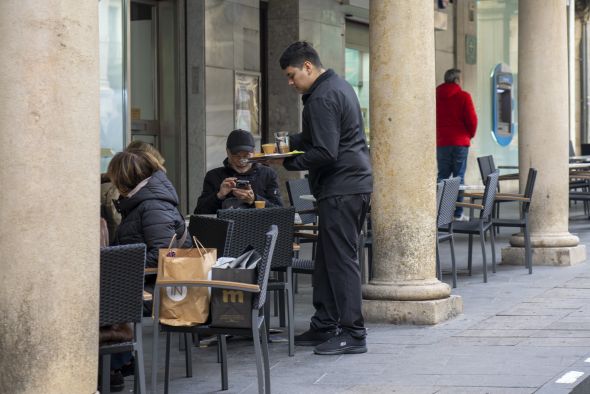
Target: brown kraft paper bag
[(179, 305)]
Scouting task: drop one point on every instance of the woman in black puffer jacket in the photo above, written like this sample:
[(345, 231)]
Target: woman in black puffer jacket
[(148, 204)]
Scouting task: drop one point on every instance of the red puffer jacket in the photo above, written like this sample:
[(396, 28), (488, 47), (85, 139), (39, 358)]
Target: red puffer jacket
[(456, 120)]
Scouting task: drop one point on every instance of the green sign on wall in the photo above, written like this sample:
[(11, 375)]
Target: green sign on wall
[(470, 49)]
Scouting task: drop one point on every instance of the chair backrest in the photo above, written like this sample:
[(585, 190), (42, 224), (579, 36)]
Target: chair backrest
[(448, 200), (250, 225), (121, 284), (528, 189), (439, 189), (486, 166), (295, 189), (212, 232), (270, 240), (489, 196)]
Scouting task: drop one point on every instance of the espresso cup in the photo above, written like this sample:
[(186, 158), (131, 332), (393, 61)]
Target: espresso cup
[(268, 148), (260, 204)]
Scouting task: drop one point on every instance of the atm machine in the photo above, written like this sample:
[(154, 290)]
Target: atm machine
[(502, 104)]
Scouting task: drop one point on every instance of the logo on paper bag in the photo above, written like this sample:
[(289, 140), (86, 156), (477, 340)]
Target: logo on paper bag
[(176, 293), (233, 296)]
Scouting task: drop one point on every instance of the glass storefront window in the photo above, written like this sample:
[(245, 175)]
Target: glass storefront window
[(357, 74), (112, 79)]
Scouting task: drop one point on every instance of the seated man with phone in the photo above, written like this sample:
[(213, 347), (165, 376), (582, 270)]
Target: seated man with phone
[(238, 183)]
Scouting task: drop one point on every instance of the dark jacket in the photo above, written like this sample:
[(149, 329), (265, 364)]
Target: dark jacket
[(151, 216), (333, 139), (263, 180), (456, 120)]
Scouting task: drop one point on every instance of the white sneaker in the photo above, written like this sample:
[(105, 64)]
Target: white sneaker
[(462, 218)]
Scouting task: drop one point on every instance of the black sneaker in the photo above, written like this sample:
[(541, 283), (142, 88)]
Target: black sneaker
[(343, 343), (313, 337)]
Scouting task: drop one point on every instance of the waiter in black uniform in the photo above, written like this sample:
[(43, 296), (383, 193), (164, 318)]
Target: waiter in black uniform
[(340, 175)]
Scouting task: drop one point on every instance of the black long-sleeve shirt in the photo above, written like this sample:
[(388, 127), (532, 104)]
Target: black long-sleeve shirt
[(263, 180), (333, 139)]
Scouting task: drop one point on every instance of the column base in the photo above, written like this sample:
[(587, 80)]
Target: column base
[(557, 256), (412, 312)]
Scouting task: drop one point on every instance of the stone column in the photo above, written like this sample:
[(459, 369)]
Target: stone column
[(543, 133), (404, 287), (49, 203)]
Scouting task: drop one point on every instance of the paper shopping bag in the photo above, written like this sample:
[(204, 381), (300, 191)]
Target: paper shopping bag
[(233, 308), (179, 305)]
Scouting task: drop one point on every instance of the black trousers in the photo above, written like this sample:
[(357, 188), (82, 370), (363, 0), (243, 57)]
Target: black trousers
[(336, 278)]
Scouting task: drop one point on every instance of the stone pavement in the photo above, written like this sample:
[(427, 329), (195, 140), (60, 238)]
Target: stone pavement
[(518, 334)]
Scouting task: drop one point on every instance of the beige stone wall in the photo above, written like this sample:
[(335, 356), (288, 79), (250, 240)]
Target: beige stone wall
[(49, 203)]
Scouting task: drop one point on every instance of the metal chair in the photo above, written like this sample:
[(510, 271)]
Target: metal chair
[(121, 302), (309, 220), (478, 226), (523, 221), (257, 331), (212, 232), (248, 230), (449, 190)]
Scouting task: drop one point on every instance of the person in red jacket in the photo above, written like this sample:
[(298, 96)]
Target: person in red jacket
[(456, 122)]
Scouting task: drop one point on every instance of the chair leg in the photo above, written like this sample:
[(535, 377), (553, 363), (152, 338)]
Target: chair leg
[(106, 374), (275, 305), (139, 365), (438, 265), (167, 365), (290, 311), (257, 351), (222, 346), (282, 314), (493, 242), (370, 261), (469, 253), (188, 357), (483, 254), (528, 253), (454, 267), (265, 357)]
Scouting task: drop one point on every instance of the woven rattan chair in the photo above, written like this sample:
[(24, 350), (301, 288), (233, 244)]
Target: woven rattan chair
[(121, 301), (449, 190), (523, 221), (249, 225), (478, 226), (486, 167), (212, 232), (257, 331)]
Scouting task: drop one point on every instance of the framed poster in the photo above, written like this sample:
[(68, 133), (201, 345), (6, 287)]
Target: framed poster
[(247, 101)]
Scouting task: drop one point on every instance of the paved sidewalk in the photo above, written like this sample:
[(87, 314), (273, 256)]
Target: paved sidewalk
[(519, 333)]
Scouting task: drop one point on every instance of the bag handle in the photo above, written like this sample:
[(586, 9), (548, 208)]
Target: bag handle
[(199, 246), (172, 242)]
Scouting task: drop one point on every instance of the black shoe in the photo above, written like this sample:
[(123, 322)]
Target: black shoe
[(313, 337), (128, 369), (343, 343), (117, 381)]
